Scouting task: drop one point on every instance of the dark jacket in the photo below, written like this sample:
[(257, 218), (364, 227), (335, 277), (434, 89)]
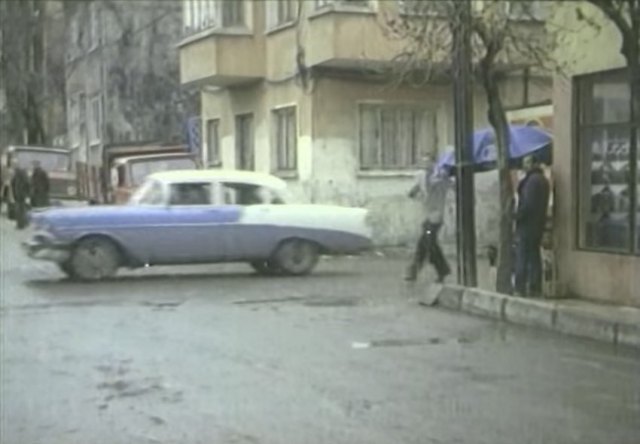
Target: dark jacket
[(20, 185), (39, 188), (533, 202)]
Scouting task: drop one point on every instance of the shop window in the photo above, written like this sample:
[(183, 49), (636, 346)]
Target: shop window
[(606, 152)]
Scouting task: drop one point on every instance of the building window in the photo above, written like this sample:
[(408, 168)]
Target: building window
[(358, 3), (213, 143), (74, 122), (232, 12), (202, 14), (281, 12), (395, 136), (95, 122), (94, 27), (285, 139), (606, 152)]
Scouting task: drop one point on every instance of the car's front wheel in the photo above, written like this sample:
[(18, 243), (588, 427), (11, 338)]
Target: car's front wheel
[(296, 257), (66, 268), (94, 258)]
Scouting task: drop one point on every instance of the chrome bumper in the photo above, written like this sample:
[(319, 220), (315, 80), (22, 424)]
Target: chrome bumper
[(44, 247)]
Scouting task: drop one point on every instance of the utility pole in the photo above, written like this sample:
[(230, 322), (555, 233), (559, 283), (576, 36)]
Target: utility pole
[(463, 118)]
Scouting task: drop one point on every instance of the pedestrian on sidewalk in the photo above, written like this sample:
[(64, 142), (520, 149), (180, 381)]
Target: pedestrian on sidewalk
[(39, 186), (531, 217), (20, 193), (432, 185)]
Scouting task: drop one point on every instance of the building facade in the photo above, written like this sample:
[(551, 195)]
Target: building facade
[(295, 89), (122, 77), (598, 245)]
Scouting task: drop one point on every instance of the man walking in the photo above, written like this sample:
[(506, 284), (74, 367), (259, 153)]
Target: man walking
[(39, 186), (531, 217), (432, 184), (20, 192)]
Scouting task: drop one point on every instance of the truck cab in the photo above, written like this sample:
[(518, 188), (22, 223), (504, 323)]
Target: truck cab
[(128, 173)]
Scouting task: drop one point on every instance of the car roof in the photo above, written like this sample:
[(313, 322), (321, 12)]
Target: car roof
[(249, 177), (160, 156)]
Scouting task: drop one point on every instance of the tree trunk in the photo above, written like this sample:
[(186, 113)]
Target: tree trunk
[(498, 120)]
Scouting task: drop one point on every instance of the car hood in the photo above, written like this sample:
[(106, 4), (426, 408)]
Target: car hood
[(66, 215)]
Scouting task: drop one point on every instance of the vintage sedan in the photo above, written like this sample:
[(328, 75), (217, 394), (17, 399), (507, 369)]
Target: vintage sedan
[(195, 217)]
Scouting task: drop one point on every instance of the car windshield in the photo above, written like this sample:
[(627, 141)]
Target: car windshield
[(142, 168), (49, 161)]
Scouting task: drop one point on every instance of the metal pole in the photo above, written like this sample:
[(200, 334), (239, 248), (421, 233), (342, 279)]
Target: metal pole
[(463, 118)]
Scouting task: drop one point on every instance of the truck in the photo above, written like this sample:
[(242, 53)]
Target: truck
[(127, 165), (56, 161)]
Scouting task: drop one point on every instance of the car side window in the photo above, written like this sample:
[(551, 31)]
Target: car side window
[(245, 194), (153, 195), (190, 194)]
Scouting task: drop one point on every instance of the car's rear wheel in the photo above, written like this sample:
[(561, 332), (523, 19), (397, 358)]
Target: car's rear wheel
[(296, 257), (94, 258), (266, 268)]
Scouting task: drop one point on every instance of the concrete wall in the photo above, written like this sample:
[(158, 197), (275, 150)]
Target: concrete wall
[(608, 277)]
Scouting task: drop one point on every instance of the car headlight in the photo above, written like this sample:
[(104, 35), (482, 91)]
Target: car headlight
[(71, 190)]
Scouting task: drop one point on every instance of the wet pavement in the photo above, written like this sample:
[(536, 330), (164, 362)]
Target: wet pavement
[(215, 354)]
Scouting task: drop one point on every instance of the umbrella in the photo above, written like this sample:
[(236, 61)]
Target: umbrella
[(525, 140)]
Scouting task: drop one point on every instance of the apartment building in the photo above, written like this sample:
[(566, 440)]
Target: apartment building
[(298, 89)]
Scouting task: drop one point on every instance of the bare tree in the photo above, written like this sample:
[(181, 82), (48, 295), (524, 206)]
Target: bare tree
[(506, 36), (32, 74)]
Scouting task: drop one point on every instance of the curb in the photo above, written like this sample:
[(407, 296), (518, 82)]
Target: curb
[(555, 316)]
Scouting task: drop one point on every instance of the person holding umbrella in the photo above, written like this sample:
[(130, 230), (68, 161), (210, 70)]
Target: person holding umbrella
[(432, 185)]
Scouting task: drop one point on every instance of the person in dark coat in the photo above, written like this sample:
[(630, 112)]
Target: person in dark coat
[(39, 186), (531, 217), (20, 191)]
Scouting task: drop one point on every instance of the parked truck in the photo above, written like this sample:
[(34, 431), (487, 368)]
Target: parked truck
[(126, 166), (54, 160)]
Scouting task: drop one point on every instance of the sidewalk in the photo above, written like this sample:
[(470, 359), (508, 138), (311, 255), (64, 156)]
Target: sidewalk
[(618, 325)]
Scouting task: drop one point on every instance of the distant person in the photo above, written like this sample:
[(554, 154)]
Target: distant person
[(432, 185), (20, 192), (531, 218), (39, 186)]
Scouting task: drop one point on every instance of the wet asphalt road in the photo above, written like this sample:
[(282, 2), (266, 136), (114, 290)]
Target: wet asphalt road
[(213, 354)]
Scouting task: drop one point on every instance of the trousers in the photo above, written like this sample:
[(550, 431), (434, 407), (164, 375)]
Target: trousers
[(528, 274), (429, 247)]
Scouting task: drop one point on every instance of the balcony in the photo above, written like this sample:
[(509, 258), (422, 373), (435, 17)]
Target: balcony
[(221, 45), (221, 59), (348, 36)]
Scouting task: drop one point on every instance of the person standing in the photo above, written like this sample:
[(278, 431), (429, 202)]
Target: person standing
[(39, 186), (20, 191), (432, 185), (531, 217)]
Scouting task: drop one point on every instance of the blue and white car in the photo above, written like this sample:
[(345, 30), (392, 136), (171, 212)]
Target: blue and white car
[(196, 217)]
